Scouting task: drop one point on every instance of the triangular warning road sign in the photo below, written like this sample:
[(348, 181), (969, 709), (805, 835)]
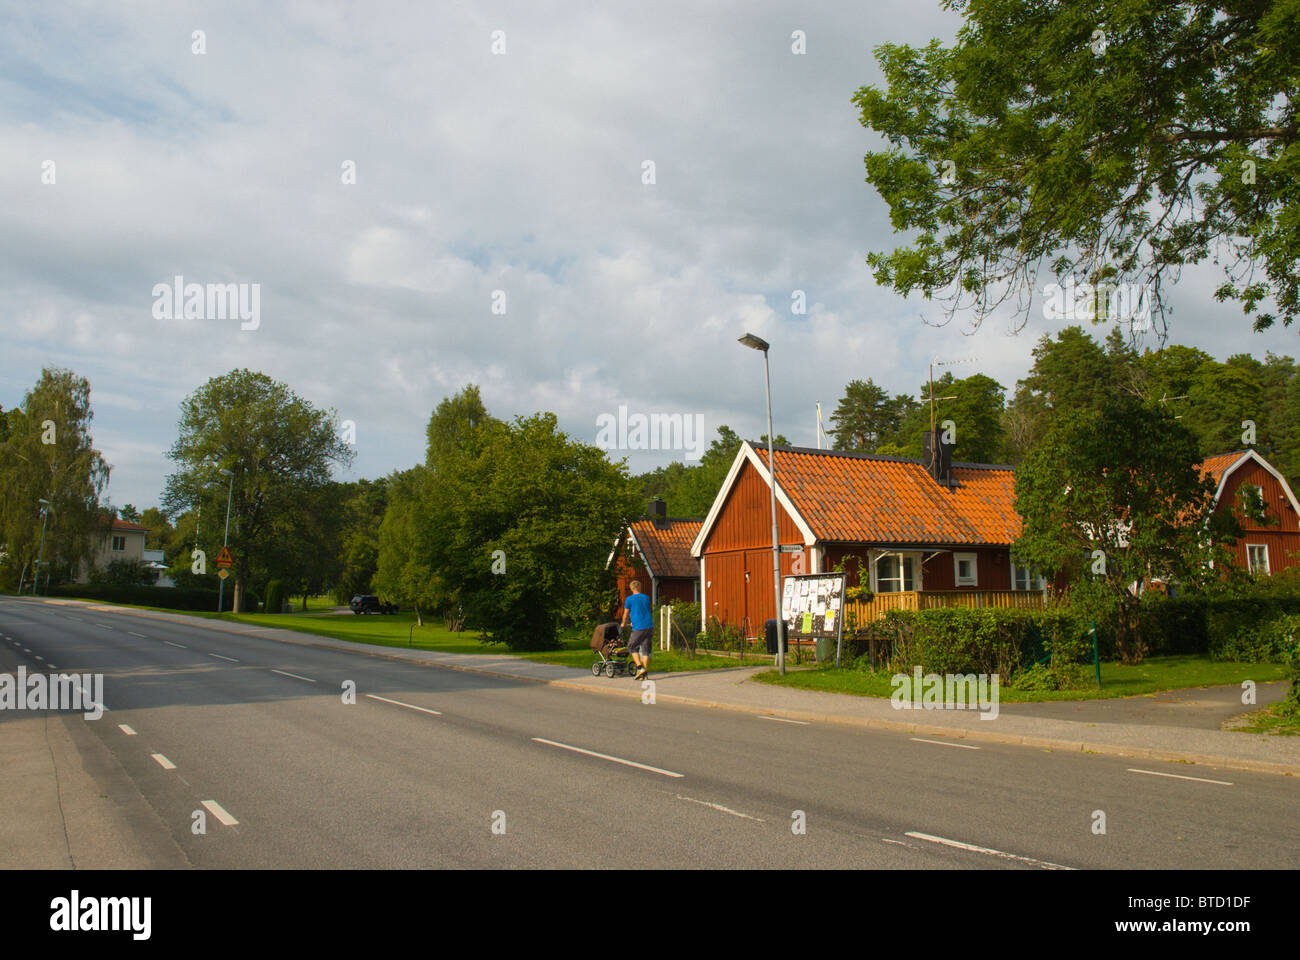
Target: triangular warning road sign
[(224, 559)]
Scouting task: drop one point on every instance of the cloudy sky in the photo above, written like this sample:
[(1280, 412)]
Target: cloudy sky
[(475, 171)]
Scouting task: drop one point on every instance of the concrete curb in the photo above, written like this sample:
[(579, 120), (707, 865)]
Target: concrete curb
[(1227, 762)]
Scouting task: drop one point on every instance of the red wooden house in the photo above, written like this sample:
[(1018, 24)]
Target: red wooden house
[(657, 551), (1264, 505), (899, 525)]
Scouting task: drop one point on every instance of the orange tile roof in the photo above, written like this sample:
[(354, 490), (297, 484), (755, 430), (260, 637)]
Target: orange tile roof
[(1215, 465), (864, 498), (127, 526), (667, 550)]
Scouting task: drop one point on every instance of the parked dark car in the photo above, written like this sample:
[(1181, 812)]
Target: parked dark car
[(369, 603)]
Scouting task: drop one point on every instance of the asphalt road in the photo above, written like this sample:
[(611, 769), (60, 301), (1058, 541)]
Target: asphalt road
[(420, 768)]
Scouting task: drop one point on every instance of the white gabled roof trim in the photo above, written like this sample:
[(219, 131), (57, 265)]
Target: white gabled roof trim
[(746, 452), (1253, 455)]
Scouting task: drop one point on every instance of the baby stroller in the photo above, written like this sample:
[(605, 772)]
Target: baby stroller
[(607, 640)]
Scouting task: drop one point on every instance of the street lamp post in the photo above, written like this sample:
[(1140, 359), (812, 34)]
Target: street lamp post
[(758, 343), (221, 585), (40, 555)]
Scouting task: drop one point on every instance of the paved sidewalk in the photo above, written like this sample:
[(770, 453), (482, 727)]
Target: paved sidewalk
[(1155, 728)]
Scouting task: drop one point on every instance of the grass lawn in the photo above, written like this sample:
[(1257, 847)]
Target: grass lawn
[(400, 630), (1117, 680)]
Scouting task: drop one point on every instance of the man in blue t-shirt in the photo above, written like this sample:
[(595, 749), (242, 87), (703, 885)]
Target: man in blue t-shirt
[(636, 608)]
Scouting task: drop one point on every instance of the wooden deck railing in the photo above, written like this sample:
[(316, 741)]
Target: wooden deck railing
[(859, 612)]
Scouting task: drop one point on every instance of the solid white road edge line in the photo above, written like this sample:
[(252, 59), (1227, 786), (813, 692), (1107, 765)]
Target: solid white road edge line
[(605, 756), (218, 811), (163, 761), (718, 806), (1179, 776), (802, 723), (409, 706), (945, 743), (989, 850), (294, 675)]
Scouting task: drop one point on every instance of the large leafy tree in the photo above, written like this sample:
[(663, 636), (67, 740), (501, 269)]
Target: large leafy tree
[(404, 554), (1115, 494), (279, 447), (48, 453), (1111, 141), (451, 424), (520, 520)]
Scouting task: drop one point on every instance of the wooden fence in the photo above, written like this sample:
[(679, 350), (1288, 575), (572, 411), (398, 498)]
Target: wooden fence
[(859, 612)]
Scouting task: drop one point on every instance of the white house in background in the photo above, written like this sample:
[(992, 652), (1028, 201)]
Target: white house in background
[(157, 562), (125, 541)]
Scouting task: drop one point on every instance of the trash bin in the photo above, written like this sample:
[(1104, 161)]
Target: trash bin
[(770, 629)]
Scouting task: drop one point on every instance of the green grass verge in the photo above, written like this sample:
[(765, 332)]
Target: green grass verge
[(1117, 680), (1279, 719), (400, 630)]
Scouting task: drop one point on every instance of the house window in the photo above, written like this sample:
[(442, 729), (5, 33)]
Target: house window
[(964, 569), (119, 544), (893, 573), (1022, 578), (1257, 557)]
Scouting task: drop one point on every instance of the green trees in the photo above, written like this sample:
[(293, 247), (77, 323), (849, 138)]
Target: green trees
[(510, 529), (1049, 133), (47, 453), (1114, 494), (281, 451)]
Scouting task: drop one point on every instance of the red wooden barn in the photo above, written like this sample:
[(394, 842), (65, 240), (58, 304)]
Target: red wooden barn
[(898, 523), (1264, 505)]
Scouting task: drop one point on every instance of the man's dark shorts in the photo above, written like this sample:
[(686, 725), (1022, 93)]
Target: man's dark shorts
[(640, 641)]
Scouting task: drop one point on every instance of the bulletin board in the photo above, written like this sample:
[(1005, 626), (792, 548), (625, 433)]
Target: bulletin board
[(812, 606)]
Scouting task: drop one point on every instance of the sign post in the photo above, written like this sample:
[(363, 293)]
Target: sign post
[(224, 563)]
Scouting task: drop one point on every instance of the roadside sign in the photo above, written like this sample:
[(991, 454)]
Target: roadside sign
[(792, 548), (224, 558), (223, 573)]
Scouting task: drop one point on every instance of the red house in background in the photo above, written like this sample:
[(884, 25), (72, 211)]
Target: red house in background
[(1264, 505), (899, 524), (657, 551)]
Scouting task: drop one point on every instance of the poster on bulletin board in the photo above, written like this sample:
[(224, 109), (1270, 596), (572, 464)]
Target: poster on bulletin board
[(812, 607)]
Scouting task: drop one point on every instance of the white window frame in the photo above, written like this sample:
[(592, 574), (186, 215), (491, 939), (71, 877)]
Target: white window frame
[(974, 579), (903, 557), (1250, 564), (1034, 582)]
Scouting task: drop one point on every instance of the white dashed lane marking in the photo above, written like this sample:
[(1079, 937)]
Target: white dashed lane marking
[(718, 806), (164, 762), (802, 723), (218, 811), (1179, 776), (284, 673), (220, 657), (125, 729), (606, 756), (170, 644), (944, 743), (409, 706), (1046, 865)]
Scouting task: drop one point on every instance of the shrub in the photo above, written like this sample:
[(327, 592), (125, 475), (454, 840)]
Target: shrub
[(274, 597), (1041, 676)]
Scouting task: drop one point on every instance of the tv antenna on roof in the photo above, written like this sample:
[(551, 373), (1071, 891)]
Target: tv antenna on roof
[(936, 362)]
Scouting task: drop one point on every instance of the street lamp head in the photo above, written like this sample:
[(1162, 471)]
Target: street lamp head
[(44, 501), (225, 473), (757, 343)]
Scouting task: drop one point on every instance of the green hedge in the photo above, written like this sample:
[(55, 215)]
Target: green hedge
[(958, 640), (171, 598), (275, 597)]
